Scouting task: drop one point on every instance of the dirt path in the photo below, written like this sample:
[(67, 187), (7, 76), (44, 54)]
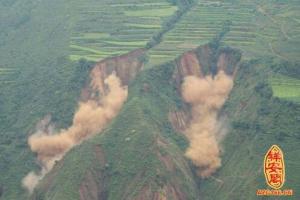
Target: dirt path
[(275, 53), (284, 32), (280, 26), (218, 180)]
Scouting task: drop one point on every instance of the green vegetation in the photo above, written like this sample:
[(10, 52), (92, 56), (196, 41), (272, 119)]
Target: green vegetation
[(37, 79), (131, 145), (107, 29), (46, 51), (6, 75), (286, 87), (159, 12), (184, 7), (258, 120), (257, 28)]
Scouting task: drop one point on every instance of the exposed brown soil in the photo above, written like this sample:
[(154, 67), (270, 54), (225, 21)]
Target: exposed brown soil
[(89, 188), (93, 186), (223, 61), (165, 158), (189, 64), (125, 66), (193, 63), (179, 120)]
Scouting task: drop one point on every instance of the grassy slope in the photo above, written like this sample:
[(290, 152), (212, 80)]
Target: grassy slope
[(269, 28), (40, 43), (263, 121), (286, 87), (36, 76), (131, 164), (257, 120), (33, 44)]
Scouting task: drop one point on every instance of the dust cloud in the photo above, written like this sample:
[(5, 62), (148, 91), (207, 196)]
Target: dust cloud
[(90, 118), (206, 95)]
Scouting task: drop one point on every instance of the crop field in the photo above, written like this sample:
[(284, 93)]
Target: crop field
[(114, 28), (271, 30), (42, 41), (286, 87), (257, 28), (198, 26), (105, 29), (6, 75)]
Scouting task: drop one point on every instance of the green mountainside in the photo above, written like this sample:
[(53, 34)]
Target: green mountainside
[(48, 47), (257, 120)]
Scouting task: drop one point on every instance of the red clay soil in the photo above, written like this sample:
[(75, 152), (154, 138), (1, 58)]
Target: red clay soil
[(225, 60), (125, 66), (192, 62), (189, 64)]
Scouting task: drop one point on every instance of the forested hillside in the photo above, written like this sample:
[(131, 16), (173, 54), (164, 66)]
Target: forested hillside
[(51, 50)]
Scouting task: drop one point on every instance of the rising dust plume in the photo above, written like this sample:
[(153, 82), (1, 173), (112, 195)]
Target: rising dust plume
[(206, 95), (90, 118)]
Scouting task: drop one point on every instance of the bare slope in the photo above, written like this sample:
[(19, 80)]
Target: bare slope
[(140, 155)]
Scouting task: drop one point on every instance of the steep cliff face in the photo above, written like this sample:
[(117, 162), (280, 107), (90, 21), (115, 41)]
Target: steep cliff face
[(99, 104), (140, 155), (189, 65), (201, 62), (206, 60), (125, 66)]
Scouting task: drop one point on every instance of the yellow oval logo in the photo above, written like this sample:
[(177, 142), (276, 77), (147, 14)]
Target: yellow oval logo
[(274, 167)]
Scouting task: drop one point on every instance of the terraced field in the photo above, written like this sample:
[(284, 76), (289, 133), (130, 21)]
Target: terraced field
[(273, 30), (104, 29), (197, 27), (5, 75), (109, 28), (257, 28), (286, 88)]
